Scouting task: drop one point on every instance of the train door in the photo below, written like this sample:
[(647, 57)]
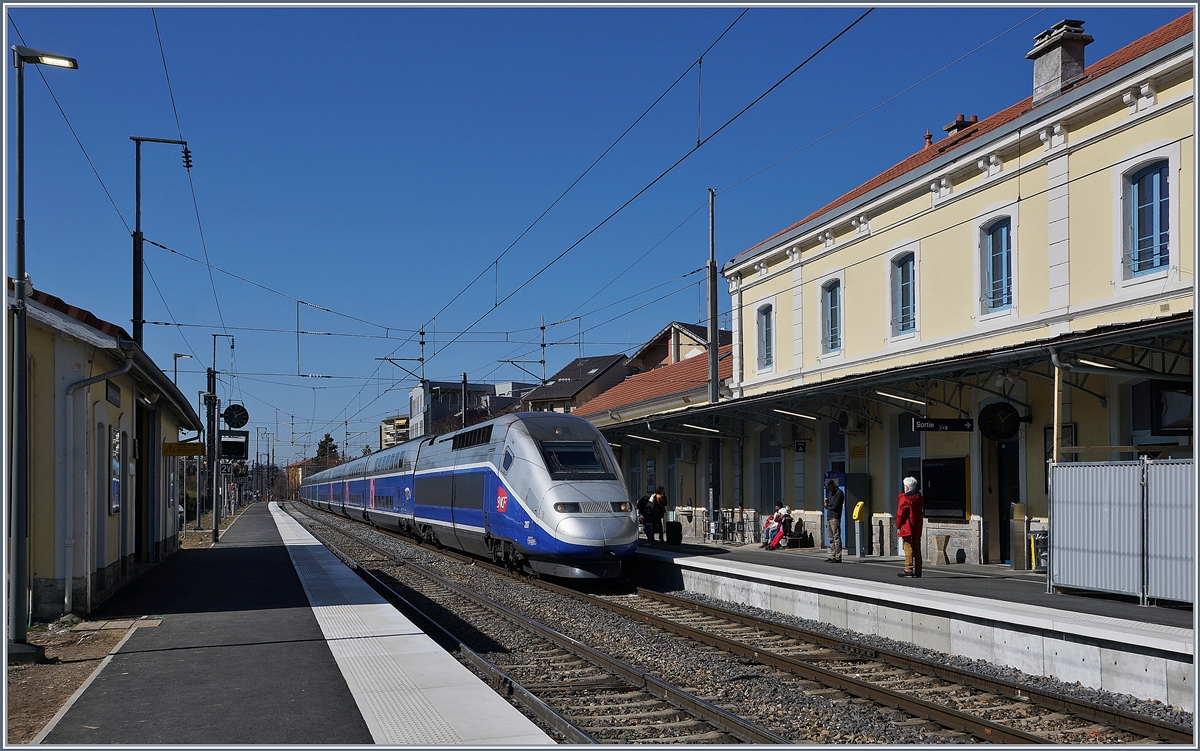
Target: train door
[(467, 506)]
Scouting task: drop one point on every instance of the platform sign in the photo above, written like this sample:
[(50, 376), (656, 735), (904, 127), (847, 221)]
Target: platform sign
[(235, 444), (941, 424), (183, 449)]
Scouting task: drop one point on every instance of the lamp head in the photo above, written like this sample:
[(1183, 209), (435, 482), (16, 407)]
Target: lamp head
[(22, 55)]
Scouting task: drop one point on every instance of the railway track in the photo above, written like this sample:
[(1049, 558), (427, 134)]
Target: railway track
[(986, 709), (583, 694)]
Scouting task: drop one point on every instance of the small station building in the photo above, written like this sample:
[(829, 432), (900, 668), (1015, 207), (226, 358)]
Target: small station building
[(103, 498)]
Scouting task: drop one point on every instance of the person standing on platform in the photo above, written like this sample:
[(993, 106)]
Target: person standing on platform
[(643, 512), (835, 499), (910, 518), (659, 513)]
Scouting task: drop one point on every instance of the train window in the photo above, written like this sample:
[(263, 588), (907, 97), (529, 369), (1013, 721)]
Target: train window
[(508, 460), (575, 460)]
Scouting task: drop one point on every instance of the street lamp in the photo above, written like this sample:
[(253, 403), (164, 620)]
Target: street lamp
[(19, 571), (179, 357)]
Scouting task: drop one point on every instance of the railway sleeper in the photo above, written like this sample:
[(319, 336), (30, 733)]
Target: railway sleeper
[(666, 732), (627, 704), (664, 714)]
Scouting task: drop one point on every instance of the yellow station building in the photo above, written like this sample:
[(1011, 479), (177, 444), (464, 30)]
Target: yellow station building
[(1054, 239), (103, 497)]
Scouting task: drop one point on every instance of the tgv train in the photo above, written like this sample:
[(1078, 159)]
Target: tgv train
[(536, 490)]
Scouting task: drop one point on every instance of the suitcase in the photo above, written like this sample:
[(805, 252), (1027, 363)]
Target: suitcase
[(674, 532)]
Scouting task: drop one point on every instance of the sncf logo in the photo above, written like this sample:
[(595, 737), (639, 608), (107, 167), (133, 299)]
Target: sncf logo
[(501, 500)]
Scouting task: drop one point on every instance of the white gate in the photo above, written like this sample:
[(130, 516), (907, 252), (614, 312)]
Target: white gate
[(1124, 527)]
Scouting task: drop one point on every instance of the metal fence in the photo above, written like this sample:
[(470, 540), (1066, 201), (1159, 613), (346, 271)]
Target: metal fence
[(1124, 527), (1170, 530)]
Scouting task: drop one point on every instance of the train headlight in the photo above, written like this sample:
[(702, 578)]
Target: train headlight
[(623, 506), (567, 508)]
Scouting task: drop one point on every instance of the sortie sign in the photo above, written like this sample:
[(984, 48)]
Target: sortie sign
[(942, 424)]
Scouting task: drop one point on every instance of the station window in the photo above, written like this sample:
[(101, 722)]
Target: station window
[(831, 307), (1148, 247), (904, 306), (766, 334), (996, 257)]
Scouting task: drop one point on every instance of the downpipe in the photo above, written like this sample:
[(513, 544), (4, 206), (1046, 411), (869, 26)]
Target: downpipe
[(69, 532)]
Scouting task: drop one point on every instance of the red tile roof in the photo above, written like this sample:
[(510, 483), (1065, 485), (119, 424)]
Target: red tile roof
[(679, 379), (1126, 54), (79, 314)]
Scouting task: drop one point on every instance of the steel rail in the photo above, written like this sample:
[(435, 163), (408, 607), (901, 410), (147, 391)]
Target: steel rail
[(498, 679), (721, 719), (1128, 721), (944, 716)]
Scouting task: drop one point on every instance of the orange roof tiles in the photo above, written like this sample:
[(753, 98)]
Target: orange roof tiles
[(79, 314), (1126, 54), (675, 380)]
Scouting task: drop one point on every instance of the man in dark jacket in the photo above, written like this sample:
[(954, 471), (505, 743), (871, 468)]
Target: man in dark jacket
[(643, 512), (834, 500), (910, 519)]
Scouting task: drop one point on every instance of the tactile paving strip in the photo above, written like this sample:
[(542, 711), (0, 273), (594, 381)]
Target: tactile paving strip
[(393, 706)]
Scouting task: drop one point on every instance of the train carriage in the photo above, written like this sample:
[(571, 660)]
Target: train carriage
[(536, 490)]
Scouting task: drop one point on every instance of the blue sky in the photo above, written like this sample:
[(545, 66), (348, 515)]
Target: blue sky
[(372, 161)]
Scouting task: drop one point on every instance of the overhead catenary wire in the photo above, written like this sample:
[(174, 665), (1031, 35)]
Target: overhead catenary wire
[(191, 184), (589, 169), (665, 172), (497, 301), (700, 206)]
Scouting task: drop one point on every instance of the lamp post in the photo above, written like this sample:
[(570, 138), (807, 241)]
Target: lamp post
[(178, 357), (19, 571), (138, 316)]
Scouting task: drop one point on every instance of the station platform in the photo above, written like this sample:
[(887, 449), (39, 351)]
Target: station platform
[(982, 612), (267, 638)]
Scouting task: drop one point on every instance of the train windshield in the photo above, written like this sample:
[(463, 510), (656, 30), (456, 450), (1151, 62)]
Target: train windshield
[(575, 460)]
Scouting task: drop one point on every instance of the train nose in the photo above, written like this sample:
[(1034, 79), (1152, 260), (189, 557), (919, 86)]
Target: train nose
[(593, 536)]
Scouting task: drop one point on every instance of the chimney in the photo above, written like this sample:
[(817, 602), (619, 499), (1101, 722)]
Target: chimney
[(1057, 57), (960, 123)]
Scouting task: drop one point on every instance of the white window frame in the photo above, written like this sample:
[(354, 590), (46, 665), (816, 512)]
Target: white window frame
[(914, 249), (765, 345), (979, 230), (1122, 189), (825, 282)]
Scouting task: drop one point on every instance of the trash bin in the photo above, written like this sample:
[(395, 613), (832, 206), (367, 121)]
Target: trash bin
[(1039, 545)]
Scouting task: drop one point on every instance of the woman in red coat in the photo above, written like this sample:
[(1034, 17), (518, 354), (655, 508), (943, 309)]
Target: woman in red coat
[(910, 518)]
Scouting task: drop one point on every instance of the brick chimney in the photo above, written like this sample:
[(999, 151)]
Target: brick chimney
[(960, 123), (1057, 57)]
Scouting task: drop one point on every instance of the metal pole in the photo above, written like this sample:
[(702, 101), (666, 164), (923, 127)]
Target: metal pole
[(714, 380), (19, 579), (714, 385), (210, 399), (464, 400), (137, 244)]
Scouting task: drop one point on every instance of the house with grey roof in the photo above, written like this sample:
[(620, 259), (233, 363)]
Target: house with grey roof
[(581, 380)]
